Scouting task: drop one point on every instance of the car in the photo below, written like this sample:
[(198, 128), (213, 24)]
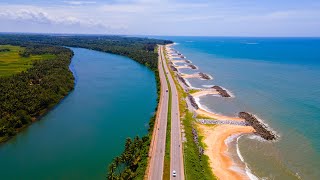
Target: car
[(174, 173), (167, 90)]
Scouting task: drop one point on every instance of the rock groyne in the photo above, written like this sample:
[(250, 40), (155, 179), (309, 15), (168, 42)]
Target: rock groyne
[(204, 76), (193, 102), (192, 66), (173, 68), (260, 128), (221, 91), (230, 122), (183, 81)]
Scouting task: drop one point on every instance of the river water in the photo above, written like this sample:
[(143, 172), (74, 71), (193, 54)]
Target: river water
[(114, 98)]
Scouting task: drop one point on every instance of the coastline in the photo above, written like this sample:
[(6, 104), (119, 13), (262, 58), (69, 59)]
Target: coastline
[(215, 136)]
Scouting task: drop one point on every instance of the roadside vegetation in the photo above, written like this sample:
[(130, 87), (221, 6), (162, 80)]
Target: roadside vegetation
[(195, 166)]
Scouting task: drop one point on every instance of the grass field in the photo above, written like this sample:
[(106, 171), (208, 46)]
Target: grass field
[(11, 62)]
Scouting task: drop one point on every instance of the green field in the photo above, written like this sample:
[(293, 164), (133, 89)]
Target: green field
[(11, 62)]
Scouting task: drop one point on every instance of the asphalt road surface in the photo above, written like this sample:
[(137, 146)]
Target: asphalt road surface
[(158, 146), (176, 154)]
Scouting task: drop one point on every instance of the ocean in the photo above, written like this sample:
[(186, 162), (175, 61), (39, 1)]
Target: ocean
[(278, 80)]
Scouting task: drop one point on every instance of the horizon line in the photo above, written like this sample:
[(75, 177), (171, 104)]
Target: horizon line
[(139, 35)]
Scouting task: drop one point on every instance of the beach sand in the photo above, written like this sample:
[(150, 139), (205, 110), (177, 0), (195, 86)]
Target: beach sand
[(183, 67), (203, 93), (190, 75), (214, 138), (216, 116), (177, 61)]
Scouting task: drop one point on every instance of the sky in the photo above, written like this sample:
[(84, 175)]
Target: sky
[(163, 17)]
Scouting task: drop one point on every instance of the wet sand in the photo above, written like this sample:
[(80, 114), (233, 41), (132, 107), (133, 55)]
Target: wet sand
[(214, 138), (216, 116), (204, 92)]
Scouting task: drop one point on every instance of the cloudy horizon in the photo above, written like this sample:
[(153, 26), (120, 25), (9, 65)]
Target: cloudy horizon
[(147, 17)]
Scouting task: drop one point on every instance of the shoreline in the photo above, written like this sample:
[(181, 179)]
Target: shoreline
[(215, 136)]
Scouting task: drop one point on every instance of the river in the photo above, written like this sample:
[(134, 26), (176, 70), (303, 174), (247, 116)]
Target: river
[(114, 98)]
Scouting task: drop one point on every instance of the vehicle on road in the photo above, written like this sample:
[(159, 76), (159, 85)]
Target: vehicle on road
[(174, 173), (167, 90)]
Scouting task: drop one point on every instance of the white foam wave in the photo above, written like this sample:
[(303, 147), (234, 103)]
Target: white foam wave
[(247, 170), (208, 86)]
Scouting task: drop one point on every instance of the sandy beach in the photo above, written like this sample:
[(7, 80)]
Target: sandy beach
[(214, 138), (190, 75), (181, 67), (204, 92), (216, 116)]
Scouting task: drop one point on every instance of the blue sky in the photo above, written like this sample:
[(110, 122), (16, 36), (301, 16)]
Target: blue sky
[(163, 17)]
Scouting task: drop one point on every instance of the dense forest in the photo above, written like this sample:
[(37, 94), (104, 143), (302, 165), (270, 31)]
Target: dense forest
[(44, 85), (27, 95), (138, 49)]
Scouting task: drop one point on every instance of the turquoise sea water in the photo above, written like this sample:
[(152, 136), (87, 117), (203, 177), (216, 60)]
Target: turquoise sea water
[(278, 79), (114, 98)]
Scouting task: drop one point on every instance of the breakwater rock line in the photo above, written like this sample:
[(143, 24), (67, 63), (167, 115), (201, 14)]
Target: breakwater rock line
[(260, 128), (193, 102), (221, 91), (173, 68), (183, 80), (192, 66), (196, 140), (230, 122), (204, 76)]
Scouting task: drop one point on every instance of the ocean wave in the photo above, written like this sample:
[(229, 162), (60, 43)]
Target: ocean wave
[(247, 169), (208, 86)]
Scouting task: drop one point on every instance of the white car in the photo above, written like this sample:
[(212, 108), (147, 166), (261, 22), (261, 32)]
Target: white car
[(174, 173)]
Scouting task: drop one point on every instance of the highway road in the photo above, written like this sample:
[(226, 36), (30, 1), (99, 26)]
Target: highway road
[(176, 153), (159, 135)]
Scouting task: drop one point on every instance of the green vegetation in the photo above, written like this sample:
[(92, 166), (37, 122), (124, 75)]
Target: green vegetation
[(15, 59), (138, 49), (29, 94), (132, 163), (195, 167), (193, 91)]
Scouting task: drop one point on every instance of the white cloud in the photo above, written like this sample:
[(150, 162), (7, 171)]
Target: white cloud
[(79, 2)]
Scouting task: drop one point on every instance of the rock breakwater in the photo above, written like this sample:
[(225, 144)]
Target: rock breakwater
[(204, 76), (193, 102), (192, 66), (183, 81), (221, 91), (260, 128)]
